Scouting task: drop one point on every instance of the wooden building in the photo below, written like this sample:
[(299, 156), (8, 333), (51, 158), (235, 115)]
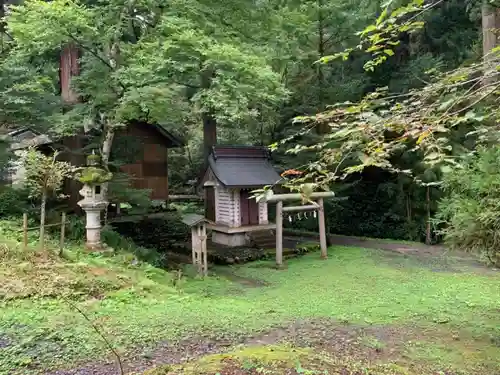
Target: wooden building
[(228, 180), (147, 164), (150, 165)]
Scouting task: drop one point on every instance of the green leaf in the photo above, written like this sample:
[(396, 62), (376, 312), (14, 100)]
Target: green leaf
[(389, 52), (433, 156), (368, 29), (445, 105), (423, 136), (381, 17), (446, 169)]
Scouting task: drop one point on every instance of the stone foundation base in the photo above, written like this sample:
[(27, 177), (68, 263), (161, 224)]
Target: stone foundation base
[(99, 248), (229, 239)]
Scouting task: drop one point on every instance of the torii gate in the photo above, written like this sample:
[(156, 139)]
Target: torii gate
[(317, 206)]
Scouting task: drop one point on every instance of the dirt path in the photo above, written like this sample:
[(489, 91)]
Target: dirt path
[(322, 334), (163, 353), (369, 243), (349, 343), (436, 257)]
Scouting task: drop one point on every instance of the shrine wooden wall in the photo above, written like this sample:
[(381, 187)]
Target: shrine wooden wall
[(150, 169)]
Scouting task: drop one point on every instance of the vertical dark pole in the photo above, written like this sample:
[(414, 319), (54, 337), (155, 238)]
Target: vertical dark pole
[(279, 234), (322, 229)]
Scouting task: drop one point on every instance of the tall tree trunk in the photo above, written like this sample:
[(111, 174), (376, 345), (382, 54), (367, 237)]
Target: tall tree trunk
[(114, 57), (322, 127), (107, 144), (208, 117), (428, 238), (490, 19), (2, 25), (68, 69), (209, 134), (42, 220)]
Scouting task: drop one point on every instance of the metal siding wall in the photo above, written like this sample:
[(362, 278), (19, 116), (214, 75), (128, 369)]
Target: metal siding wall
[(263, 215), (237, 208), (225, 206)]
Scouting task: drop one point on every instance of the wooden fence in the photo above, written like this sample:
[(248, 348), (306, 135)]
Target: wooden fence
[(26, 229)]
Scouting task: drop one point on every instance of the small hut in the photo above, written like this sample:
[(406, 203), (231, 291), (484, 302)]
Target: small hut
[(145, 146), (232, 172)]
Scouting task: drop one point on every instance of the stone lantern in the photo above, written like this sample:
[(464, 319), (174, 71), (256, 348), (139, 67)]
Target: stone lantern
[(93, 203)]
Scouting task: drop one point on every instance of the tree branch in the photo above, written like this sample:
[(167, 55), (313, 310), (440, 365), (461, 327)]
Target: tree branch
[(96, 329)]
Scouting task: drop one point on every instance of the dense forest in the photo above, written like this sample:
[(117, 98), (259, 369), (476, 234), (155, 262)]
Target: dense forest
[(390, 104), (247, 187)]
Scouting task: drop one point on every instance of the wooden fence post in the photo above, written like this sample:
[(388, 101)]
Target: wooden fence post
[(204, 248), (322, 228), (63, 229), (279, 234), (199, 250), (25, 231)]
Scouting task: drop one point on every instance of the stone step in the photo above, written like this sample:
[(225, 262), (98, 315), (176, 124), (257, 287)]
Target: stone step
[(263, 239), (258, 235)]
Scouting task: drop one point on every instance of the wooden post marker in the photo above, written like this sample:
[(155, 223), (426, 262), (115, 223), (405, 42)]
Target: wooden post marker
[(279, 234), (199, 255), (204, 254), (322, 228)]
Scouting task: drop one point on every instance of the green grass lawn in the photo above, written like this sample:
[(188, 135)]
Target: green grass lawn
[(447, 318)]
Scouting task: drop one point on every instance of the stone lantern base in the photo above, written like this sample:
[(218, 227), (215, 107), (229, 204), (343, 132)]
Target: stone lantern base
[(93, 224)]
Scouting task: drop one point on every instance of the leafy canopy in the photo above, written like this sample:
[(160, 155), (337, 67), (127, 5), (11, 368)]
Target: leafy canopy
[(445, 118), (147, 60)]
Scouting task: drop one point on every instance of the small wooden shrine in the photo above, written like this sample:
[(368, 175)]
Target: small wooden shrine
[(232, 172), (197, 223)]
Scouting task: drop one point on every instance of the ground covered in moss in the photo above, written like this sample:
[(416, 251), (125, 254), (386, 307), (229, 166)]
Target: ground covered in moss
[(359, 312)]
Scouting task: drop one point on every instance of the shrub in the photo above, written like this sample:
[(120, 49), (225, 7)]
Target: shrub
[(119, 242), (471, 209), (14, 201), (75, 228)]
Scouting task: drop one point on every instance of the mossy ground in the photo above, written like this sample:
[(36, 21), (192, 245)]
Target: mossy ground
[(362, 310), (269, 358)]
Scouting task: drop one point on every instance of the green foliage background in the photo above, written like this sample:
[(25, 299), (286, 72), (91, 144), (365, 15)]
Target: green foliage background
[(471, 206), (260, 58)]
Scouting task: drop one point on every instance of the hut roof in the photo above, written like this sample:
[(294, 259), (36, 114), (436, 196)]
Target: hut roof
[(194, 219), (27, 137), (170, 139), (243, 166)]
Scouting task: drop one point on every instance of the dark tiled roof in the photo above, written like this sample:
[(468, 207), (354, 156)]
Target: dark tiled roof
[(192, 219), (174, 140), (170, 139), (251, 152), (243, 166), (25, 137)]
